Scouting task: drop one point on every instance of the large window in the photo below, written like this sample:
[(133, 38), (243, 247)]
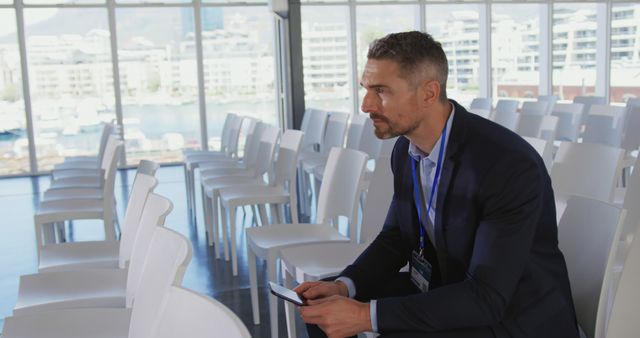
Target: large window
[(376, 21), (70, 78), (239, 74), (325, 56), (457, 28), (574, 50), (515, 42), (158, 82), (14, 148), (625, 52)]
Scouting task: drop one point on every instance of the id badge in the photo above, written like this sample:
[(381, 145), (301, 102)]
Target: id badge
[(420, 271)]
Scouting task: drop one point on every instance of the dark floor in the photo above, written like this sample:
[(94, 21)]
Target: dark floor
[(207, 275)]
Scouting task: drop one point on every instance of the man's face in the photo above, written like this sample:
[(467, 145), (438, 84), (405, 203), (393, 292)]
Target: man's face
[(390, 101)]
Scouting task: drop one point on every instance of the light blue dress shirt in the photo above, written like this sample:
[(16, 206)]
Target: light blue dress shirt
[(427, 164)]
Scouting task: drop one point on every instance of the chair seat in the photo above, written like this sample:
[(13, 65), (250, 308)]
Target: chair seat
[(253, 194), (226, 163), (309, 163), (208, 174), (315, 262), (77, 182), (70, 209), (280, 236), (72, 193), (79, 256), (70, 323), (71, 289), (221, 182), (77, 164), (77, 172)]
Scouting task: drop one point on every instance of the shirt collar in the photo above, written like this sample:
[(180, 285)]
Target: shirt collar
[(419, 155)]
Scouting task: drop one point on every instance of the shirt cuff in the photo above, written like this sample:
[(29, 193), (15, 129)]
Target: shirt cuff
[(351, 287), (373, 312)]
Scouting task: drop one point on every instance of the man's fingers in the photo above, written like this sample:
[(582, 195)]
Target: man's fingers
[(305, 286), (323, 300)]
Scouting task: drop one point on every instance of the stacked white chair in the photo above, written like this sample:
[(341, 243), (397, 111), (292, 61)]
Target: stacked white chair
[(167, 246), (604, 125), (587, 236), (314, 125), (281, 190), (587, 102), (569, 120), (338, 197), (91, 162), (80, 255)]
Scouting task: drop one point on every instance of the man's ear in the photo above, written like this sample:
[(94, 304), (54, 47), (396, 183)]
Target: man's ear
[(430, 91)]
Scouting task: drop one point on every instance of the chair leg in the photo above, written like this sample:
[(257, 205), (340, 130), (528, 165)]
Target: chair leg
[(193, 194), (234, 251), (289, 309), (264, 220), (273, 300), (206, 210), (275, 215), (215, 200), (253, 281), (225, 225), (256, 213)]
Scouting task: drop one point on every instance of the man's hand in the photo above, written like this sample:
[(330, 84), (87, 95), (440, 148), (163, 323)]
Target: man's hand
[(337, 316), (316, 290)]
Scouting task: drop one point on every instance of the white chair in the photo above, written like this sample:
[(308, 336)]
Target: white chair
[(507, 106), (313, 138), (186, 313), (623, 320), (604, 125), (587, 101), (317, 261), (550, 100), (585, 169), (338, 197), (482, 103), (56, 211), (138, 321), (88, 161), (569, 120), (229, 149), (354, 131), (535, 108), (507, 119), (587, 236), (538, 126), (228, 178), (544, 149), (280, 191), (101, 287), (101, 254)]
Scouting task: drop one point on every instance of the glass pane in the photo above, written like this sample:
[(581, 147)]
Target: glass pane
[(59, 2), (325, 57), (376, 21), (14, 147), (239, 71), (625, 52), (235, 1), (514, 50), (574, 50), (158, 82), (6, 2), (457, 28), (153, 1), (71, 80)]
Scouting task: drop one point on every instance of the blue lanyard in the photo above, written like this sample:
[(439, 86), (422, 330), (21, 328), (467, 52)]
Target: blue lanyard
[(417, 186)]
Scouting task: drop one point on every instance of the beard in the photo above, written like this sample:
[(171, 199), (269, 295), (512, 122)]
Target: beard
[(387, 129)]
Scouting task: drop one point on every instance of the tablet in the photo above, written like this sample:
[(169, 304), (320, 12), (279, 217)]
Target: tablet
[(286, 294)]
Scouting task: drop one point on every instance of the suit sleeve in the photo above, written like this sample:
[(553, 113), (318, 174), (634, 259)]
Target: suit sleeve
[(512, 200)]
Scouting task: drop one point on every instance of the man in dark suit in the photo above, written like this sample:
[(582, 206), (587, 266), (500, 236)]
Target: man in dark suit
[(472, 213)]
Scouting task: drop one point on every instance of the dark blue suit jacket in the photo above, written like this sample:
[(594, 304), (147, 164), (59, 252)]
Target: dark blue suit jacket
[(496, 236)]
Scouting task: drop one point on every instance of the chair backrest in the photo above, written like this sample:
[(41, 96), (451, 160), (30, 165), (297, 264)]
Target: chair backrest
[(306, 117), (508, 106), (107, 130), (550, 100), (186, 313), (266, 150), (165, 263), (226, 126), (287, 159), (587, 238), (109, 183), (154, 213), (143, 185), (147, 167), (233, 136), (376, 204), (354, 134), (535, 108), (507, 119), (482, 103), (334, 134), (604, 125), (339, 191), (112, 142), (252, 145), (369, 142), (587, 101), (586, 169), (569, 120), (544, 149), (530, 125), (630, 134), (623, 319), (314, 133), (548, 127), (246, 133)]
